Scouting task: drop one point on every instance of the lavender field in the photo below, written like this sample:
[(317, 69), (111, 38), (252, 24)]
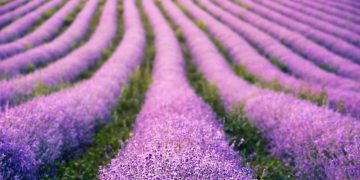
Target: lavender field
[(179, 89)]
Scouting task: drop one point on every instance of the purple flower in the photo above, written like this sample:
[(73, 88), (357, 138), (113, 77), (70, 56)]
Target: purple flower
[(37, 133), (43, 33), (176, 134), (319, 142)]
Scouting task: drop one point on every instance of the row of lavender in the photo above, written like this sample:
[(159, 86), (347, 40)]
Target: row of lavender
[(37, 133), (43, 33), (176, 134), (310, 129)]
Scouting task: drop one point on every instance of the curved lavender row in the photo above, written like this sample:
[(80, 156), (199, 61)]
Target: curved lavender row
[(350, 8), (48, 52), (176, 134), (314, 52), (66, 69), (43, 33), (311, 128), (334, 44), (243, 54), (18, 28), (331, 10), (353, 27), (37, 133), (12, 15), (320, 25), (11, 5), (299, 66)]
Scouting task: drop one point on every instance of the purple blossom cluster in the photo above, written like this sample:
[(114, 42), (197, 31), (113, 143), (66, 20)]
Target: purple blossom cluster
[(332, 43), (13, 15), (176, 134), (319, 142), (51, 51), (67, 68), (344, 6), (349, 36), (22, 25), (313, 52), (269, 46), (11, 5), (243, 54), (307, 11), (44, 32), (344, 15), (35, 134)]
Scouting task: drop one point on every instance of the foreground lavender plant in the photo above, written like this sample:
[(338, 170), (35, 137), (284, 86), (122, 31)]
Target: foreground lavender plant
[(35, 134), (12, 15), (243, 54), (11, 5), (176, 134), (318, 141), (48, 52), (68, 68), (22, 25), (43, 33)]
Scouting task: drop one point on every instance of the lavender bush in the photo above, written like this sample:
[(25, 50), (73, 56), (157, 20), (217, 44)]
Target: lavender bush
[(11, 5), (48, 52), (68, 68), (35, 134), (332, 43), (21, 26), (276, 51), (323, 26), (243, 54), (297, 42), (43, 33), (318, 141), (176, 135), (353, 27), (12, 15)]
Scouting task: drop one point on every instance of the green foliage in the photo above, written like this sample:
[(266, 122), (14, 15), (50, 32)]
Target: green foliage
[(30, 68), (42, 90), (27, 46), (112, 136), (279, 64), (317, 98), (243, 5), (179, 35), (328, 68), (201, 25)]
